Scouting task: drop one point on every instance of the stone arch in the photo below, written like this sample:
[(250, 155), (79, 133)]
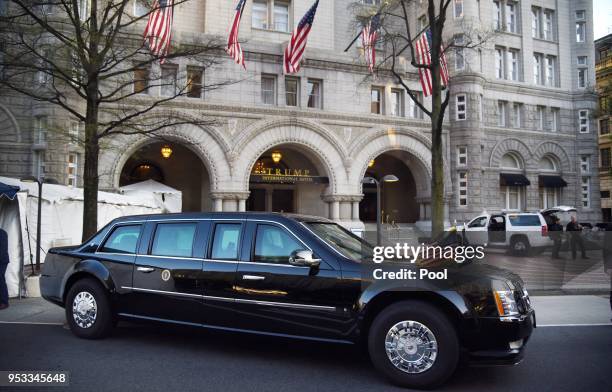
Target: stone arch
[(197, 139), (9, 127), (418, 146), (511, 145), (555, 151), (313, 139)]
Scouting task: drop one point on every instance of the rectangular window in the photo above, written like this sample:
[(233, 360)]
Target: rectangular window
[(140, 8), (513, 64), (511, 17), (499, 63), (268, 89), (460, 105), (496, 15), (605, 194), (83, 8), (292, 91), (259, 18), (548, 197), (537, 68), (580, 14), (462, 155), (458, 8), (413, 110), (550, 70), (168, 80), (604, 155), (540, 118), (585, 165), (194, 82), (501, 113), (536, 14), (74, 131), (580, 31), (141, 81), (604, 126), (459, 57), (40, 129), (281, 16), (422, 22), (517, 108), (397, 104), (376, 103), (123, 239), (582, 77), (226, 241), (463, 188), (174, 239), (583, 121), (72, 169), (3, 7), (586, 192), (511, 198), (315, 94), (549, 25), (555, 120), (274, 245), (582, 60)]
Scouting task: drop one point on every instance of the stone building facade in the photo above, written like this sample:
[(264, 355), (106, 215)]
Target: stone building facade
[(603, 69), (520, 109)]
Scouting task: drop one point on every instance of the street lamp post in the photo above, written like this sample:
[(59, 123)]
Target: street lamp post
[(372, 180), (40, 182)]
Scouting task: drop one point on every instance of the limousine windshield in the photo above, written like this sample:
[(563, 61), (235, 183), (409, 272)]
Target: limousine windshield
[(345, 242)]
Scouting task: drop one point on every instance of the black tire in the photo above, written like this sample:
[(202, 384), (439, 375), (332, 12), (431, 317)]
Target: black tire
[(443, 330), (102, 324), (519, 246)]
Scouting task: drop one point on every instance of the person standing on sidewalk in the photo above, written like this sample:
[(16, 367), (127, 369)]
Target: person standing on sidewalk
[(575, 231), (556, 232), (4, 261)]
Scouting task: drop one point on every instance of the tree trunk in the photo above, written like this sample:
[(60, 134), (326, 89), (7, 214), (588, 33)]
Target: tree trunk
[(90, 176)]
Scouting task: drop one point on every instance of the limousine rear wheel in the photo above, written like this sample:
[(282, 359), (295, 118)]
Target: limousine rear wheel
[(414, 344), (88, 310)]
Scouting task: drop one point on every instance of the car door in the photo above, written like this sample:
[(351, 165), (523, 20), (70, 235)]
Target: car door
[(167, 277), (275, 296), (476, 230)]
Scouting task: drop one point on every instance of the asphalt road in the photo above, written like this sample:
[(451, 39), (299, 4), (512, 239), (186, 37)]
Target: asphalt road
[(149, 358)]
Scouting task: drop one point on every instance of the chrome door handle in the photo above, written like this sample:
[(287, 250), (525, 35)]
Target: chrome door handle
[(145, 269), (253, 277)]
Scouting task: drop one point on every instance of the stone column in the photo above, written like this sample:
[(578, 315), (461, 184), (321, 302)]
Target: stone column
[(229, 201), (355, 214)]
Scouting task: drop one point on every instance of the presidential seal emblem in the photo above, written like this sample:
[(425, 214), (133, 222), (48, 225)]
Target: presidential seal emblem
[(165, 275)]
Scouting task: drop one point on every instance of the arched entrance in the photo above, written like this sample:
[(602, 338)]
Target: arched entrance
[(398, 199), (288, 178), (179, 168)]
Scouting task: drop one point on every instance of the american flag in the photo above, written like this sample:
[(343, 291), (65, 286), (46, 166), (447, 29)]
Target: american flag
[(158, 31), (368, 38), (233, 46), (423, 56), (295, 50)]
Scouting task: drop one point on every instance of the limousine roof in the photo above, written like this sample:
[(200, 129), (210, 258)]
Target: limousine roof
[(225, 215)]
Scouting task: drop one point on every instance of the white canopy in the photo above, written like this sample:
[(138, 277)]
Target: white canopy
[(169, 198)]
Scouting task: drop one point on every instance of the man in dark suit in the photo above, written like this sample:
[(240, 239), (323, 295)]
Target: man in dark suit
[(4, 261), (574, 229), (556, 232)]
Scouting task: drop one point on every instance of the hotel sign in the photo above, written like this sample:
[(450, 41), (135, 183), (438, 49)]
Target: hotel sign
[(285, 176)]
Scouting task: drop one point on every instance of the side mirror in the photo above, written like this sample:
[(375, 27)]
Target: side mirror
[(303, 258)]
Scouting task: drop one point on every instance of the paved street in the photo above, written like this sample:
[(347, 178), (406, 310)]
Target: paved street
[(148, 358)]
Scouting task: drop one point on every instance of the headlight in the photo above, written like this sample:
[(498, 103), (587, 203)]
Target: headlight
[(506, 305)]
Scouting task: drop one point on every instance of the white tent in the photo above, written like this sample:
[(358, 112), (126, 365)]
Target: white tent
[(61, 219), (171, 199)]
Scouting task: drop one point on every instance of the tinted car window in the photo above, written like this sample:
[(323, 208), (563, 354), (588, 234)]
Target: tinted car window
[(225, 242), (524, 220), (123, 239), (479, 222), (174, 239), (274, 244)]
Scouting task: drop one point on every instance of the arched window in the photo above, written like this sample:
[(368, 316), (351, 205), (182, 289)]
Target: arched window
[(511, 161), (547, 164)]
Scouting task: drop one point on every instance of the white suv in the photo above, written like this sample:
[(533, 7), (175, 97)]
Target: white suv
[(518, 231)]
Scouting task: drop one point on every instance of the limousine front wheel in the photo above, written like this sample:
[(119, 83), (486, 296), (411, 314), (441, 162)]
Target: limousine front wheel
[(88, 310), (414, 345)]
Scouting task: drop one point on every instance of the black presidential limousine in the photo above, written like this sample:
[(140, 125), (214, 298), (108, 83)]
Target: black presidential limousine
[(290, 276)]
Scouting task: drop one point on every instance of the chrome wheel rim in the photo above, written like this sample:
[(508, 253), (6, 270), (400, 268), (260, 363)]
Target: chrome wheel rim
[(519, 245), (84, 309), (411, 346)]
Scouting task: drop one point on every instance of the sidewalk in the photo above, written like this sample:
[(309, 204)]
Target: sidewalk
[(550, 310)]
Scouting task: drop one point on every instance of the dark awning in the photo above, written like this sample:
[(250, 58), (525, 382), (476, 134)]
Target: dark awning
[(552, 182), (507, 179), (8, 190)]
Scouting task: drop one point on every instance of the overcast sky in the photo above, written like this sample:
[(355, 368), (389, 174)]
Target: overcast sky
[(602, 10)]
